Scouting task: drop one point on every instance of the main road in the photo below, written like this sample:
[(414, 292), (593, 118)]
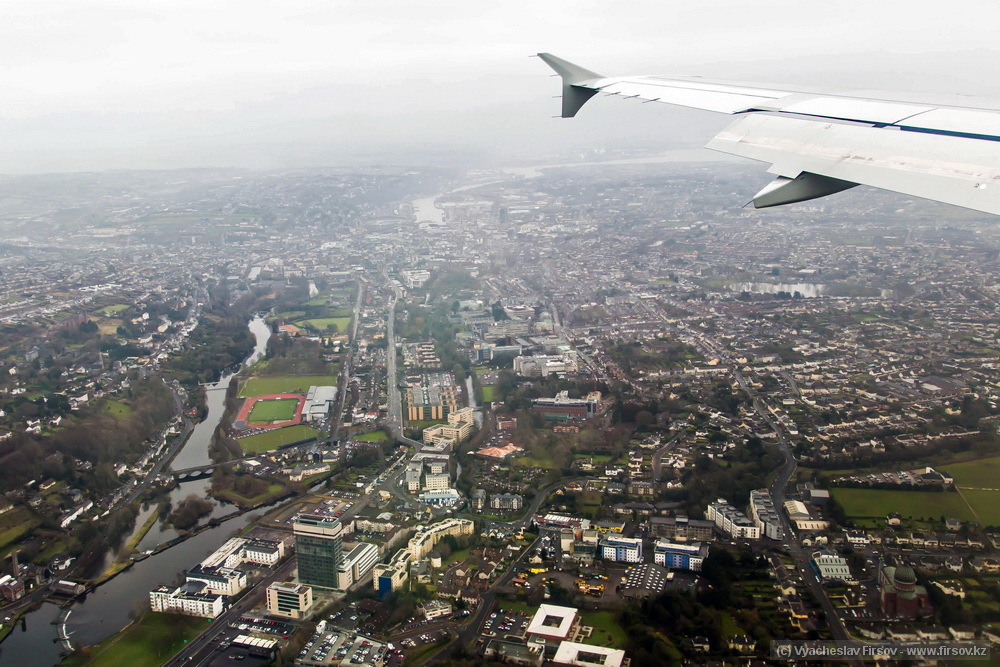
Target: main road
[(778, 496), (345, 374)]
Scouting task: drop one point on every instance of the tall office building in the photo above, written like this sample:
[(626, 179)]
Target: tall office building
[(319, 548)]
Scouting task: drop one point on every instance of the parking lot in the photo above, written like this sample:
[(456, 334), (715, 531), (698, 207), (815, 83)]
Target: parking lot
[(279, 629), (501, 623), (423, 638)]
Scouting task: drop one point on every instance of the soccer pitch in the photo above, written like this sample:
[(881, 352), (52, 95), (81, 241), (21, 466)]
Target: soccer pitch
[(279, 410)]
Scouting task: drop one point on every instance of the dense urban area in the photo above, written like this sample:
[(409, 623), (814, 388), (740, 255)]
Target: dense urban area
[(588, 415)]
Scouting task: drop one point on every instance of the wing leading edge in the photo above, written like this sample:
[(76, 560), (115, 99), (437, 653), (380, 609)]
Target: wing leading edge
[(821, 143)]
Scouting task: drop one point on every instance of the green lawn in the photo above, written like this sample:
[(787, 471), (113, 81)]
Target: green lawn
[(986, 504), (729, 627), (265, 442), (596, 458), (516, 605), (284, 384), (981, 474), (458, 556), (913, 504), (532, 462), (151, 640), (607, 632), (114, 310), (273, 411), (235, 498), (417, 423), (16, 522), (290, 315), (116, 409), (321, 323), (488, 391), (374, 436)]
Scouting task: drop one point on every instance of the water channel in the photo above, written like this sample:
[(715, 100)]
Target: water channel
[(112, 606)]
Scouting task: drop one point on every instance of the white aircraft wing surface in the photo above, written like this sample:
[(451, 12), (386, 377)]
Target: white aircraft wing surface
[(822, 143)]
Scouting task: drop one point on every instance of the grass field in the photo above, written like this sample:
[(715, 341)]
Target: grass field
[(863, 503), (488, 392), (106, 327), (116, 409), (986, 504), (114, 310), (516, 605), (284, 384), (265, 442), (374, 436), (321, 323), (237, 499), (16, 522), (607, 632), (979, 474), (532, 462), (729, 627), (151, 640), (273, 411), (418, 423)]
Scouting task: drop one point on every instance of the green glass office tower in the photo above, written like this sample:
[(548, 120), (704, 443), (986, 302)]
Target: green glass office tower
[(318, 546)]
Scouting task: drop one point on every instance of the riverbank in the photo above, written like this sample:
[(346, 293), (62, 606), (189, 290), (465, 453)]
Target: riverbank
[(148, 640), (119, 564)]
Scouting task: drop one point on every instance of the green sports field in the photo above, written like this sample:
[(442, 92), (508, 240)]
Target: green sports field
[(284, 384), (265, 442), (321, 323), (862, 503), (979, 474), (986, 504), (273, 411)]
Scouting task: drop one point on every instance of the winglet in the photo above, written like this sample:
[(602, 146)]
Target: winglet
[(574, 95)]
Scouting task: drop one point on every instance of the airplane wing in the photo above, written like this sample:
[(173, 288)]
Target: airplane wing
[(822, 143)]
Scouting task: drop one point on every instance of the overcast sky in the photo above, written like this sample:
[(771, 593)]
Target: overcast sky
[(89, 85)]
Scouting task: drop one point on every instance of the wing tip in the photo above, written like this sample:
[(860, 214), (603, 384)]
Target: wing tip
[(574, 91)]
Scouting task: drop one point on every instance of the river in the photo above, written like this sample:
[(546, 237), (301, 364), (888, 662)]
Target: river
[(112, 606), (425, 209)]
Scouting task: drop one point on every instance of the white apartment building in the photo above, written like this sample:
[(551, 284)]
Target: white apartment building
[(186, 600), (731, 521)]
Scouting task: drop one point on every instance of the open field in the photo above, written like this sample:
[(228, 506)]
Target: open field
[(113, 310), (487, 392), (951, 461), (532, 462), (16, 522), (107, 327), (150, 640), (986, 504), (978, 474), (265, 442), (273, 411), (374, 436), (321, 323), (273, 491), (863, 503), (284, 384), (116, 409)]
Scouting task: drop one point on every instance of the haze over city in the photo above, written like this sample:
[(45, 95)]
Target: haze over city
[(99, 85)]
